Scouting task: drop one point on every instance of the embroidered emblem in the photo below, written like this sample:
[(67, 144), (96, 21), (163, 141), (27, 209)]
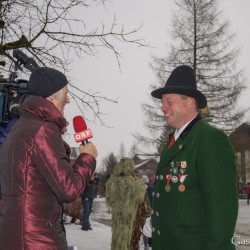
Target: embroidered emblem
[(183, 164)]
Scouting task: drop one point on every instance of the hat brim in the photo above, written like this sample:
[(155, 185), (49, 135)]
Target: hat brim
[(196, 94)]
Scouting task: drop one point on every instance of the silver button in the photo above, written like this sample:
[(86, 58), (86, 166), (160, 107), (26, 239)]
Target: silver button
[(153, 194), (161, 177), (153, 229), (152, 212), (158, 232), (157, 177), (157, 195), (157, 214)]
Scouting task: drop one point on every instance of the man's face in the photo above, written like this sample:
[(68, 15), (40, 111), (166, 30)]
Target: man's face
[(61, 99), (177, 109)]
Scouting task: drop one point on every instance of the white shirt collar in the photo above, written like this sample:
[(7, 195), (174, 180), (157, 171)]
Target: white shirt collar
[(178, 133)]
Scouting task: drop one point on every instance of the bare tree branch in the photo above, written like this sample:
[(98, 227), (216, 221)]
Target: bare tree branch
[(204, 42), (53, 32)]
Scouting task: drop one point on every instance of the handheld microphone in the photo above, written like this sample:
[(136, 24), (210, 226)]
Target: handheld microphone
[(82, 132)]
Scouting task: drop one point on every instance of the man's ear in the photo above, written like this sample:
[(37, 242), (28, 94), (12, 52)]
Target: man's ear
[(191, 102)]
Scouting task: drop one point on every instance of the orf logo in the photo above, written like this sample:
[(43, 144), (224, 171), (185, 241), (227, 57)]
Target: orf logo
[(83, 135)]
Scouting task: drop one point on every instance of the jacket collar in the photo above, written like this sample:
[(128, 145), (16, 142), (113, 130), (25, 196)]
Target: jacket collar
[(178, 146), (190, 126), (42, 108)]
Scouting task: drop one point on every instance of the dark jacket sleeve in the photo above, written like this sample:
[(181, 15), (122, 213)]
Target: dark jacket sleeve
[(217, 171), (89, 192), (50, 158)]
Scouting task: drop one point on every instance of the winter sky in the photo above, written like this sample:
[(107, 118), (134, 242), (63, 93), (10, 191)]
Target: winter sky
[(130, 83)]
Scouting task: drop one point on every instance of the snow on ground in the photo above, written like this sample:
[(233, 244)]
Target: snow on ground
[(100, 237), (243, 225), (97, 239)]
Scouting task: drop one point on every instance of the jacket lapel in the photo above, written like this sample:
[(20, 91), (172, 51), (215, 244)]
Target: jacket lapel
[(169, 154), (190, 126)]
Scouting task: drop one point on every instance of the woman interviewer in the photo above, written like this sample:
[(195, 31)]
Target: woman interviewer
[(35, 173)]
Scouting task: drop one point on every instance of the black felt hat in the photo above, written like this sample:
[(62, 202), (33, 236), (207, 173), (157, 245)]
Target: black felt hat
[(46, 81), (182, 81)]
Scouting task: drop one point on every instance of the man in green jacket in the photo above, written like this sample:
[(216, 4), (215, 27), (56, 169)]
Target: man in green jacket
[(195, 201)]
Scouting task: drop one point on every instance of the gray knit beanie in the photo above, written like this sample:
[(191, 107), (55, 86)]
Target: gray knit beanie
[(46, 81)]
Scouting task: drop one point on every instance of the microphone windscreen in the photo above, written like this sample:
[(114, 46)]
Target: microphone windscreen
[(79, 124)]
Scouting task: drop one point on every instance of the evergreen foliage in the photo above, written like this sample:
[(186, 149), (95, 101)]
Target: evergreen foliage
[(202, 40), (110, 164)]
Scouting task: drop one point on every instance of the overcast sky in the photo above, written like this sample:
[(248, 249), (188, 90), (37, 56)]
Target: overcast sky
[(130, 85)]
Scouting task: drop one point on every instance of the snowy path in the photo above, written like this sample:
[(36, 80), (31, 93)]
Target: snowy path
[(100, 237)]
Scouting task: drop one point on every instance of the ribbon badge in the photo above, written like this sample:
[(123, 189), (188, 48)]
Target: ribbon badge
[(182, 179), (168, 187)]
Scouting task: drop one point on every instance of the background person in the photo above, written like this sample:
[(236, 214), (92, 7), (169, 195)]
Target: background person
[(125, 195), (6, 127), (248, 192), (147, 234), (195, 201), (96, 180), (88, 196), (149, 189), (35, 172)]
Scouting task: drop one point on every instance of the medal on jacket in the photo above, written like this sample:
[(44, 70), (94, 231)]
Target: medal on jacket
[(168, 187), (183, 167), (182, 187), (183, 164), (175, 170), (182, 170)]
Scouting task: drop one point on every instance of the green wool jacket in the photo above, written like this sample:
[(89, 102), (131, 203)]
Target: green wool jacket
[(195, 201)]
